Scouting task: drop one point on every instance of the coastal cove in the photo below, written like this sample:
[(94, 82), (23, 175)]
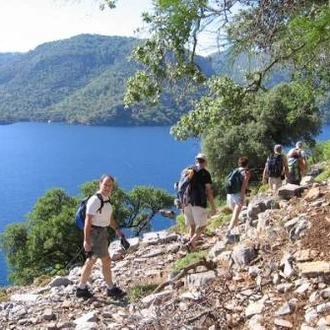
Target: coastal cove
[(37, 157)]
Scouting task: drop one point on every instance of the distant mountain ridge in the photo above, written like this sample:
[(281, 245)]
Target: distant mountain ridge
[(77, 80), (82, 80)]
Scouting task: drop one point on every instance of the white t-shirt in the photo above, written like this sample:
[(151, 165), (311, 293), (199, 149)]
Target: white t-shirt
[(297, 150), (100, 219)]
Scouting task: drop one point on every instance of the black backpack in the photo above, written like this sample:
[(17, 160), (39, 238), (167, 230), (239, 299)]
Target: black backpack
[(81, 211), (274, 165)]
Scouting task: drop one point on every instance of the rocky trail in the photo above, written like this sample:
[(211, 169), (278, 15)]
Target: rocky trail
[(276, 277)]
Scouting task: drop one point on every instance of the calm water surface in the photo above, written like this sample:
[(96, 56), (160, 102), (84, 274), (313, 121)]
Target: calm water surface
[(37, 157)]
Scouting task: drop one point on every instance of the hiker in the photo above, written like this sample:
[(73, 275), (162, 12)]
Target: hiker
[(296, 166), (237, 200), (198, 193), (298, 149), (96, 240), (276, 169)]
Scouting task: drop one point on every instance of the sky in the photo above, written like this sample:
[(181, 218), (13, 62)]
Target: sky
[(26, 24)]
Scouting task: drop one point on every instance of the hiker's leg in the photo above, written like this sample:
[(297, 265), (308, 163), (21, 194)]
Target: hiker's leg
[(236, 200), (100, 240), (278, 184), (106, 270), (196, 236), (234, 219), (189, 220), (230, 201), (192, 231), (270, 184), (275, 184), (200, 220), (86, 270)]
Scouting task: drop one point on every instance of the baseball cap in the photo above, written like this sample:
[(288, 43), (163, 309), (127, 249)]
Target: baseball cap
[(201, 156)]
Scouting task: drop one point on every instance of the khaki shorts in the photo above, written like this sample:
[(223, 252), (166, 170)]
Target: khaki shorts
[(195, 215), (275, 183), (99, 242)]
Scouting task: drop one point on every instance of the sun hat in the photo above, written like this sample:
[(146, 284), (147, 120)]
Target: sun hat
[(201, 156)]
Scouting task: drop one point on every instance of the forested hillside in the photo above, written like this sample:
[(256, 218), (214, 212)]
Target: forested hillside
[(83, 80), (78, 80)]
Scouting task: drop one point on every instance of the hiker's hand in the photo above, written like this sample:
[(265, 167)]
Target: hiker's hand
[(119, 233), (87, 246)]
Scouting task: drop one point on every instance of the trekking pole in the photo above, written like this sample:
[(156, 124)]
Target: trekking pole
[(70, 263)]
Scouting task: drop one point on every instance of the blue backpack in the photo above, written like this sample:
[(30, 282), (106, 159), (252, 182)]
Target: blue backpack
[(81, 211)]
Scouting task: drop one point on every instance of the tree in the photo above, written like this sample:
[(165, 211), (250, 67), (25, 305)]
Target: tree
[(46, 242), (248, 118), (13, 243), (289, 33), (142, 204), (292, 34), (239, 123)]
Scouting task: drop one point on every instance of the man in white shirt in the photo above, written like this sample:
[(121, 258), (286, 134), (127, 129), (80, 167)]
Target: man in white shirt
[(96, 239)]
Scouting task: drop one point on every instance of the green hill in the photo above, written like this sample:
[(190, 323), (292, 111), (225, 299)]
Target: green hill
[(77, 80), (83, 80)]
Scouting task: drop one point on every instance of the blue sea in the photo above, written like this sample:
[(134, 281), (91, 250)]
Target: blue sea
[(36, 157)]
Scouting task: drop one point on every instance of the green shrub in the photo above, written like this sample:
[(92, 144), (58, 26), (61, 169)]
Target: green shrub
[(137, 292), (189, 259), (42, 280), (3, 295), (226, 210), (324, 175), (262, 189), (219, 220), (321, 152), (180, 226)]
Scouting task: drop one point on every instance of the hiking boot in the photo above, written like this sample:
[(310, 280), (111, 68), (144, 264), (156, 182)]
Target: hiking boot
[(115, 292), (188, 247), (83, 293)]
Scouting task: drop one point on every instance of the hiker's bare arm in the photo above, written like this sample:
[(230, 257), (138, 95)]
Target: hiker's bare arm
[(303, 166), (264, 175), (245, 184), (114, 225), (286, 166), (87, 232), (209, 194)]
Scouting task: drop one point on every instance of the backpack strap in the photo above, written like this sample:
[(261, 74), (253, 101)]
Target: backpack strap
[(99, 196)]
